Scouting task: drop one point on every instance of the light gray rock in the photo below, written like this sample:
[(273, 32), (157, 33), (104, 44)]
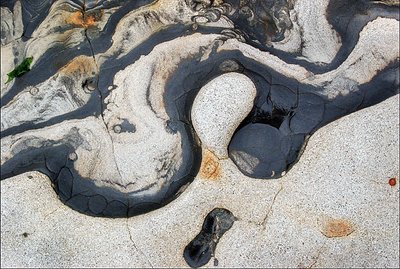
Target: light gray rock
[(66, 23), (138, 25), (58, 95), (151, 154), (220, 106), (341, 182), (364, 62), (11, 31), (45, 233), (339, 185), (144, 158), (11, 24), (333, 208), (320, 42), (376, 49), (93, 147)]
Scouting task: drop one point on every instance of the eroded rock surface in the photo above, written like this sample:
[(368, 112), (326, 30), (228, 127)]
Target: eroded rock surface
[(220, 106), (125, 98), (343, 177)]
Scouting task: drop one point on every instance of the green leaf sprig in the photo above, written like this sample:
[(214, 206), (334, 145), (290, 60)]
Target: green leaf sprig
[(21, 69)]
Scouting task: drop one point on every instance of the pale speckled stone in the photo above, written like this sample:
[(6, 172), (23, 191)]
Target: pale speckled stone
[(58, 95), (320, 41), (11, 23), (343, 174), (341, 178), (56, 235), (376, 48), (219, 108)]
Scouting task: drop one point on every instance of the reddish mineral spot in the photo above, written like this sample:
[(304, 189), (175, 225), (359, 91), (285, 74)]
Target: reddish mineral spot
[(392, 181), (79, 65), (337, 228), (210, 167), (80, 19)]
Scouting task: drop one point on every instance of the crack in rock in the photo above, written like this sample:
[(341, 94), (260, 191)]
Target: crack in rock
[(135, 247)]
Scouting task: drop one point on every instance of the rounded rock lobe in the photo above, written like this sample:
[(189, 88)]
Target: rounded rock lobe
[(219, 108)]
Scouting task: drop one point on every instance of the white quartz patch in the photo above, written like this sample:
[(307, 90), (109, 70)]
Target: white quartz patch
[(219, 108)]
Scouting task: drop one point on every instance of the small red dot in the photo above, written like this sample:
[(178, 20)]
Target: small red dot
[(392, 181)]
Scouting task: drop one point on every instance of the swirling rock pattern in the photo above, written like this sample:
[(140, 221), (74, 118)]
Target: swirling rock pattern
[(115, 109)]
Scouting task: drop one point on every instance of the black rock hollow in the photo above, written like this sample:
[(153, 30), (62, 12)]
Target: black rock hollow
[(285, 112), (202, 248)]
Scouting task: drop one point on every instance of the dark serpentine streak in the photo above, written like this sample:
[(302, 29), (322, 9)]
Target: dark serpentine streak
[(202, 248), (103, 80), (280, 118), (56, 160), (285, 113), (348, 18)]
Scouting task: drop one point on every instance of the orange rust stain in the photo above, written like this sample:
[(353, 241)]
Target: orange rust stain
[(210, 166), (81, 65), (83, 20), (392, 181), (337, 228)]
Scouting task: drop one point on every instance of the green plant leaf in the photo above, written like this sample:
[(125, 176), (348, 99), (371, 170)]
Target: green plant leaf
[(20, 69)]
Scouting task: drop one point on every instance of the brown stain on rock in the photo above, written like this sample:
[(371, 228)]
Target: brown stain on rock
[(84, 20), (337, 228), (392, 181), (79, 66), (210, 166)]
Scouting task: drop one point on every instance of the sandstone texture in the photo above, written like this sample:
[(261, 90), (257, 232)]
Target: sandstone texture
[(200, 133)]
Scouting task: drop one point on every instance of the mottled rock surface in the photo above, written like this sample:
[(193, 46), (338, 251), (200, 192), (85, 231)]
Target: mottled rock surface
[(160, 112), (335, 208)]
